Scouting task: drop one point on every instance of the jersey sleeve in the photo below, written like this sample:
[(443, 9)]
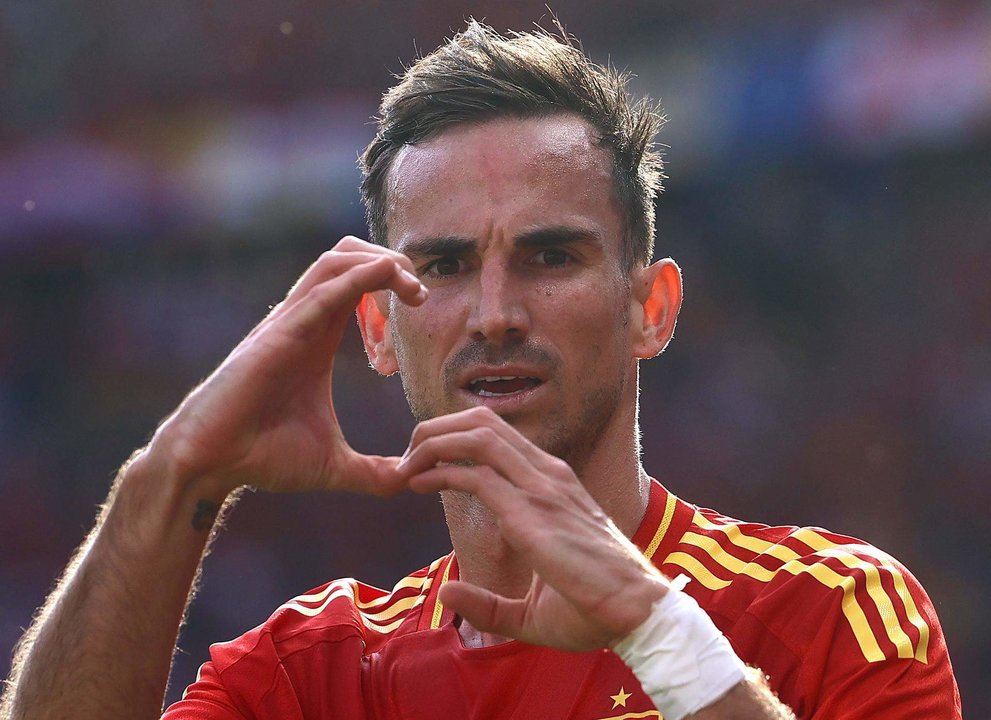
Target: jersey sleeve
[(894, 687), (871, 646), (205, 699), (304, 662), (893, 690), (841, 629), (244, 680)]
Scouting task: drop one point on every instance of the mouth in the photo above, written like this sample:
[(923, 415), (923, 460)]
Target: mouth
[(502, 385)]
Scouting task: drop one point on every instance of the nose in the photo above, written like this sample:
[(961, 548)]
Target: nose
[(498, 313)]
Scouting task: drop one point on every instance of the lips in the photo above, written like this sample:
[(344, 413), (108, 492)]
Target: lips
[(502, 385)]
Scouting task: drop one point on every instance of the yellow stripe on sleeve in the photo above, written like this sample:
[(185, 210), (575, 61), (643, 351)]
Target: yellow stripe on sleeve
[(396, 608), (697, 570), (851, 608), (407, 582), (882, 601), (885, 607)]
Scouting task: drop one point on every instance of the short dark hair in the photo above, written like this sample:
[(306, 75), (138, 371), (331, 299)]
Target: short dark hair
[(479, 75)]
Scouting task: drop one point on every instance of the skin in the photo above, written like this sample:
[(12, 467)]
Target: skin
[(514, 228), (519, 515), (531, 501)]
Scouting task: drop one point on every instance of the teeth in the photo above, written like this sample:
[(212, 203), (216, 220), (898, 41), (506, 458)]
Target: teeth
[(475, 385)]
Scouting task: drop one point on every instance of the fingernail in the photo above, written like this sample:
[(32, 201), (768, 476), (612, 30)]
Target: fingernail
[(409, 276)]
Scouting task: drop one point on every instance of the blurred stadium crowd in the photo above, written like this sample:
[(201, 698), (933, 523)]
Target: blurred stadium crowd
[(167, 170)]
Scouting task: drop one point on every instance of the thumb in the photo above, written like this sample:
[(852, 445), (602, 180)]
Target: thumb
[(485, 610), (369, 474)]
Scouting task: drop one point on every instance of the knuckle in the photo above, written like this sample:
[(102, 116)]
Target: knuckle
[(427, 446), (325, 294), (349, 242), (485, 435), (559, 468), (328, 257), (480, 413)]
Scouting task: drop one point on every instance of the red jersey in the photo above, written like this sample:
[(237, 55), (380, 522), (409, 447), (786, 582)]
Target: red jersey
[(841, 629)]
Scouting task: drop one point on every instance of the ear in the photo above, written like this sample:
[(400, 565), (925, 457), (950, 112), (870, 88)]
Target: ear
[(373, 322), (655, 306)]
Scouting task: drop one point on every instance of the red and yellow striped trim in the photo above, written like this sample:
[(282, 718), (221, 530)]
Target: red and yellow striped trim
[(382, 612), (438, 606), (797, 564), (662, 529)]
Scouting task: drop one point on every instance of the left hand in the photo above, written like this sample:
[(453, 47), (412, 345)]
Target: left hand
[(591, 586)]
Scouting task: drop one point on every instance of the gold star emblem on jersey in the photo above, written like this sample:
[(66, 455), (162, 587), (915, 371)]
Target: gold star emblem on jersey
[(620, 698)]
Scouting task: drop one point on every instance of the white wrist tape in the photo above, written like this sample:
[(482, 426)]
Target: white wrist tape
[(680, 658)]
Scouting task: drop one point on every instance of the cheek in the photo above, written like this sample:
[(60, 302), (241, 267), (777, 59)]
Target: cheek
[(594, 324), (417, 334)]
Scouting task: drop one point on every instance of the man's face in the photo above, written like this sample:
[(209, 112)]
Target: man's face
[(514, 227)]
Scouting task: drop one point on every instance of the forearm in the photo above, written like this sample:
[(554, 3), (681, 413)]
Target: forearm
[(102, 644)]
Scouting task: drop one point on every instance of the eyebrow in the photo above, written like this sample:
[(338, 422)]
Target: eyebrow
[(445, 245), (538, 238), (557, 235)]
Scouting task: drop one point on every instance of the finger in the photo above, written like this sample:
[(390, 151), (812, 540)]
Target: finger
[(484, 417), (480, 445), (485, 610), (408, 287), (348, 252), (342, 293), (334, 264), (495, 492), (370, 474), (328, 266)]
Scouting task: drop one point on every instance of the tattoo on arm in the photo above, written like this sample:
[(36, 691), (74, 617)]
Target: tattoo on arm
[(206, 513)]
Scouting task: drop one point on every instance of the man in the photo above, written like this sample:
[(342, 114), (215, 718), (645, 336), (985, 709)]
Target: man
[(509, 191)]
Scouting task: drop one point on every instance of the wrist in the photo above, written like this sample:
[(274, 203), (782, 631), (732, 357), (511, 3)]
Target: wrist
[(679, 656), (169, 458), (152, 485)]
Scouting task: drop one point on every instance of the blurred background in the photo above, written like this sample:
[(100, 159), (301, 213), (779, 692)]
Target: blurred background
[(168, 168)]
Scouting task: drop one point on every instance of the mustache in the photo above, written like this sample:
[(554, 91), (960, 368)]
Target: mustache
[(522, 352)]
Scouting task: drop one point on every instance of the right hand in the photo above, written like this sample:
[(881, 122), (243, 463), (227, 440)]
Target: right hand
[(265, 417)]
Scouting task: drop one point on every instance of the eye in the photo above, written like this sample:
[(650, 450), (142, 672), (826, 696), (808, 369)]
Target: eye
[(553, 257), (444, 266)]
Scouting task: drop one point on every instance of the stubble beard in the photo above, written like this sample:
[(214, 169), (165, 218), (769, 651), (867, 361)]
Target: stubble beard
[(572, 439)]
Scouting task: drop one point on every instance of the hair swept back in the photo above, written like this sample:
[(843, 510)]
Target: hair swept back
[(480, 75)]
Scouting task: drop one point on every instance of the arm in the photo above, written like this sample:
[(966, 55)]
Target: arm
[(545, 514), (102, 644)]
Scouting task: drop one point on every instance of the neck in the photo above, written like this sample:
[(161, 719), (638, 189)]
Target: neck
[(612, 475)]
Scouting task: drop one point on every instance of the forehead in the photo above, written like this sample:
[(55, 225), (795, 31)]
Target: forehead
[(502, 176)]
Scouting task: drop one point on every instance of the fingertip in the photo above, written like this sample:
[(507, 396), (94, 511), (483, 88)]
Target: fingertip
[(420, 483), (453, 593), (411, 280), (407, 276)]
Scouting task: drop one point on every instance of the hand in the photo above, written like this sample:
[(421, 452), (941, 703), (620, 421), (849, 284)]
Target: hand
[(591, 586), (265, 417)]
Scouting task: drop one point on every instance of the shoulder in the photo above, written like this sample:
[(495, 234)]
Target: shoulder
[(344, 613), (813, 607), (305, 660), (791, 576)]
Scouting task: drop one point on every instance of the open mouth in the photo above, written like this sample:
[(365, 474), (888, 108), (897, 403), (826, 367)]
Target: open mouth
[(501, 385)]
